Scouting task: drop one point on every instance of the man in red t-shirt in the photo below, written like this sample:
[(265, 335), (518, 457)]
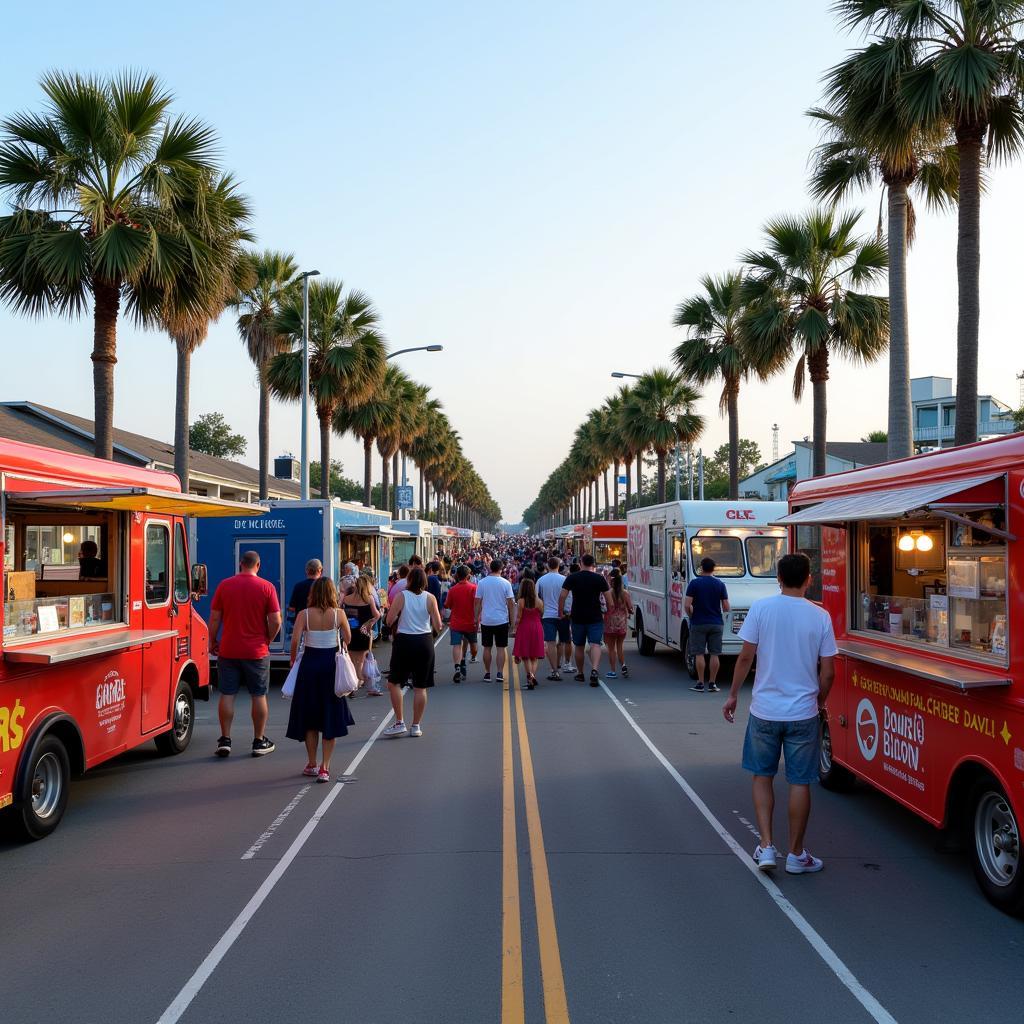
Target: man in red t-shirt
[(461, 601), (248, 608)]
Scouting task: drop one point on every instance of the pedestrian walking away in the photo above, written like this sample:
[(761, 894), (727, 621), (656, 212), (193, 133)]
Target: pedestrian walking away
[(249, 611), (461, 604), (414, 617), (557, 637), (616, 621), (361, 613), (587, 588), (317, 717), (707, 599), (495, 613), (795, 647), (529, 646), (300, 592)]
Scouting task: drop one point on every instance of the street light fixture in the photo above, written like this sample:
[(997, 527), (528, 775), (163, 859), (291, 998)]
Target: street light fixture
[(304, 458), (418, 348), (619, 374)]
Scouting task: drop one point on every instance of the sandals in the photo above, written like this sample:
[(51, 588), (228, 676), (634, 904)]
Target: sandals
[(531, 682)]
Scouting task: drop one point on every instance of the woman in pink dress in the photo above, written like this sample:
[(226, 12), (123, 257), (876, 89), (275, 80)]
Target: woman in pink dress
[(529, 647)]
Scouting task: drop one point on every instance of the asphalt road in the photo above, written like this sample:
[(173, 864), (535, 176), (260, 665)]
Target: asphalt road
[(490, 872)]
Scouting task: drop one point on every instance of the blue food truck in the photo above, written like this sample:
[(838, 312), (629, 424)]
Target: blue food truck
[(291, 533)]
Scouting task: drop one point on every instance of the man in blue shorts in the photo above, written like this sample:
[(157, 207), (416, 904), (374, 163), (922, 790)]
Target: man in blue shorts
[(706, 600), (796, 648), (557, 636), (586, 587)]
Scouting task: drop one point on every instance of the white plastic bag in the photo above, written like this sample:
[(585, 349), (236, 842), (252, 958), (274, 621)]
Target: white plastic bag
[(288, 690), (346, 681), (371, 672)]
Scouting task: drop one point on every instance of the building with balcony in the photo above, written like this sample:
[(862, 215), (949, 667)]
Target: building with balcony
[(933, 408), (774, 482)]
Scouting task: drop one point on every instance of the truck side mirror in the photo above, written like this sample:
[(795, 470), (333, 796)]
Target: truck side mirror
[(200, 585)]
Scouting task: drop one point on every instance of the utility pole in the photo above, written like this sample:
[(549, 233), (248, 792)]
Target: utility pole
[(775, 442)]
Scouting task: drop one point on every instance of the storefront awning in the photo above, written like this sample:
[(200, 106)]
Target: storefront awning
[(892, 503), (374, 531), (142, 499)]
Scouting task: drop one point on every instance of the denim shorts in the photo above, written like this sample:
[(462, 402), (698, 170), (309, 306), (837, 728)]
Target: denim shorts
[(587, 633), (556, 630), (799, 741), (254, 672), (705, 636), (461, 637)]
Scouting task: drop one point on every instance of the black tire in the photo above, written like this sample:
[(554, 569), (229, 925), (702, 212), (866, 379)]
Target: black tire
[(183, 722), (832, 776), (44, 793), (684, 648), (994, 839), (645, 645)]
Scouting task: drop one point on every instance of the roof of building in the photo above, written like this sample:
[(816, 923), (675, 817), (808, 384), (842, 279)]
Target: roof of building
[(53, 428), (863, 453)]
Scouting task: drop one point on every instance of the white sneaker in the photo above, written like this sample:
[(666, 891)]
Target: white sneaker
[(764, 857), (805, 864), (398, 729), (415, 731)]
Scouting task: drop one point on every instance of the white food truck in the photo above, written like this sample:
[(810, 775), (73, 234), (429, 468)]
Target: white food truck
[(666, 545)]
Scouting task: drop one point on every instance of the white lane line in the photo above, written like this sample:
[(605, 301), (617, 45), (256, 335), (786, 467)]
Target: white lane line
[(192, 987), (275, 824), (878, 1012)]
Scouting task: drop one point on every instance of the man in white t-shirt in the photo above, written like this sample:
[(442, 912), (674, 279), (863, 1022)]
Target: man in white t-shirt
[(557, 630), (795, 647), (495, 617)]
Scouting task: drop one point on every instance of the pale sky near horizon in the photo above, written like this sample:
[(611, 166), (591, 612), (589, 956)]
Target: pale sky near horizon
[(536, 186)]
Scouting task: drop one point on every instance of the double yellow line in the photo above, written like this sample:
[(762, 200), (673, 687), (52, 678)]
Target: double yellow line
[(556, 1010)]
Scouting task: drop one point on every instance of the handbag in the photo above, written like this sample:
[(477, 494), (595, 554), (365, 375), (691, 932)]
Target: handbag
[(346, 682), (288, 689)]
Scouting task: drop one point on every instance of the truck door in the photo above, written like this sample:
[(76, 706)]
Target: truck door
[(271, 554), (676, 548), (158, 613)]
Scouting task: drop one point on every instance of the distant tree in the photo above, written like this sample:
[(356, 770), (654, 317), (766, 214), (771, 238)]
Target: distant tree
[(341, 486), (716, 468), (212, 434), (877, 437)]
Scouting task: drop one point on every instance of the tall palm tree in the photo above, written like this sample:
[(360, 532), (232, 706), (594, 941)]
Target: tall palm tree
[(955, 64), (659, 414), (801, 300), (346, 355), (94, 182), (257, 303), (403, 394), (714, 350), (217, 213), (867, 138)]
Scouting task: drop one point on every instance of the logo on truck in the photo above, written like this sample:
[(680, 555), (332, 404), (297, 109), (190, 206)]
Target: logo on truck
[(867, 729), (11, 730), (744, 514)]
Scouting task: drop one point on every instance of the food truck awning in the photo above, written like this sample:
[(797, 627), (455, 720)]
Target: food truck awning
[(142, 499), (888, 504), (373, 531)]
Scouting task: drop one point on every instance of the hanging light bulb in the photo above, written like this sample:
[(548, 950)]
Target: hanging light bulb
[(68, 537), (924, 543), (905, 543)]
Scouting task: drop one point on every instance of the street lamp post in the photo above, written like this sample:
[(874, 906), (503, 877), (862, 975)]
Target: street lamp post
[(304, 457)]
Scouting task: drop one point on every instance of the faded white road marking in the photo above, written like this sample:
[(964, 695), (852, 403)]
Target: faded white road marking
[(275, 824)]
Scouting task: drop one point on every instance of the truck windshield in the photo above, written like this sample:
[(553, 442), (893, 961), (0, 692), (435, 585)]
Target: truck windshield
[(763, 554), (724, 550)]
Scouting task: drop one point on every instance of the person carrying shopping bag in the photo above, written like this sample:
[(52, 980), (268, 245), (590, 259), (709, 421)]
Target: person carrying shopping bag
[(361, 613), (315, 710)]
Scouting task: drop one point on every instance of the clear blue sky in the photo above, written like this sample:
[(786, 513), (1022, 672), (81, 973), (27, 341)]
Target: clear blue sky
[(534, 185)]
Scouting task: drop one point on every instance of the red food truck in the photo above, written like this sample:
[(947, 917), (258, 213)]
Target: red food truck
[(101, 649), (920, 564), (605, 541)]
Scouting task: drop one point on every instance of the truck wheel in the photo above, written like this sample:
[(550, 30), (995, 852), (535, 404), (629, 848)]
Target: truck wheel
[(643, 642), (995, 847), (684, 647), (831, 775), (183, 720), (44, 794)]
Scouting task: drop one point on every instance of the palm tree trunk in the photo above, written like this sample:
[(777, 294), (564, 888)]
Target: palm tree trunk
[(615, 483), (106, 304), (385, 466), (367, 471), (818, 366), (900, 437), (733, 407), (607, 499), (264, 431), (968, 267), (629, 481), (394, 488), (325, 454), (181, 392), (639, 476), (661, 476)]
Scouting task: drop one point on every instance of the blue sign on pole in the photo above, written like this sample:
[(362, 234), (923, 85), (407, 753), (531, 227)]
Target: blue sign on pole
[(622, 481), (404, 496)]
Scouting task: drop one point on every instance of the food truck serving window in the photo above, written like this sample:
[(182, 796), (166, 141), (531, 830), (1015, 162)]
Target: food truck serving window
[(935, 582), (606, 550)]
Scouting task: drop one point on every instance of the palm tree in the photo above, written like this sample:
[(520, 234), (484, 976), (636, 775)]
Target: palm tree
[(953, 64), (404, 396), (96, 183), (257, 304), (714, 349), (659, 414), (801, 300), (346, 357), (868, 137), (217, 214)]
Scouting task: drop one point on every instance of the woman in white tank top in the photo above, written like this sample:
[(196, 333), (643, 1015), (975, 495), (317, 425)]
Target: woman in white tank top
[(315, 710), (415, 617)]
